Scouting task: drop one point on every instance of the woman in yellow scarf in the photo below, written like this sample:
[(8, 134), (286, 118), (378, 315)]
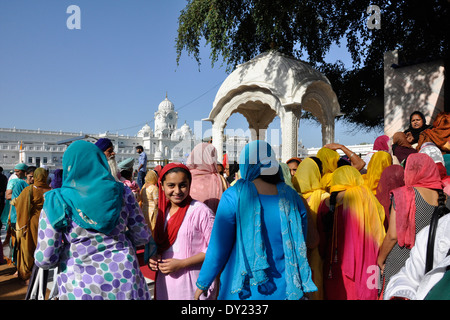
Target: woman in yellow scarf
[(352, 235), (379, 161), (28, 207), (329, 159), (307, 182)]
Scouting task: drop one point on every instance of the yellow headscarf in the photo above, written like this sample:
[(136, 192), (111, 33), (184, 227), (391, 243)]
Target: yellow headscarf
[(151, 177), (360, 201), (379, 161), (307, 181), (329, 160)]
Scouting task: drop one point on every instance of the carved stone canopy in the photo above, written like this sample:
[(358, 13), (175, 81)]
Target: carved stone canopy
[(273, 84)]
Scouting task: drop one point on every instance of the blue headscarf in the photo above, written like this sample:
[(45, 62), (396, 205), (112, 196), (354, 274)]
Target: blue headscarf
[(57, 179), (258, 158), (21, 166), (89, 195)]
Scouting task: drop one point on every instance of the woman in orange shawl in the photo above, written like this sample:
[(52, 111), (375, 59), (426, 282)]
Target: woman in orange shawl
[(28, 207), (351, 236), (439, 134)]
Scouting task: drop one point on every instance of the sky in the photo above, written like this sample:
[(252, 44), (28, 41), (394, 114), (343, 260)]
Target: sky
[(113, 72)]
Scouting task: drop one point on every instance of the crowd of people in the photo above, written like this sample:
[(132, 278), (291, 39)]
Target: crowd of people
[(335, 226)]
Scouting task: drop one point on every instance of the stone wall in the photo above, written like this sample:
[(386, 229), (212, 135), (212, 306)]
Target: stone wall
[(409, 88)]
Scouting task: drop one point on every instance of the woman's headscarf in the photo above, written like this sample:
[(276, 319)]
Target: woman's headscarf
[(399, 139), (401, 148), (89, 194), (381, 143), (364, 230), (207, 185), (329, 159), (40, 178), (57, 179), (420, 171), (391, 178), (307, 181), (433, 151), (258, 158), (165, 235), (379, 161), (151, 178), (158, 169), (233, 169), (286, 174)]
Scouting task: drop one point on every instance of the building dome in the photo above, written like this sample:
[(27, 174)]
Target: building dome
[(185, 128), (184, 132), (146, 131), (166, 105)]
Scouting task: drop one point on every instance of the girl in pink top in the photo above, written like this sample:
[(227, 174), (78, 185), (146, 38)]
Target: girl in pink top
[(182, 233)]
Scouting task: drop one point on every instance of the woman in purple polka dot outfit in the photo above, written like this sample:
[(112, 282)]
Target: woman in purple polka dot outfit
[(89, 228)]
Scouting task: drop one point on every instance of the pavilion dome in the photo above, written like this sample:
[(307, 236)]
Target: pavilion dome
[(285, 77)]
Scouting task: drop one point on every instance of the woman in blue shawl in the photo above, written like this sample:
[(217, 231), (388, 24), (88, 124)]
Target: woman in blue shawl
[(258, 238), (89, 228)]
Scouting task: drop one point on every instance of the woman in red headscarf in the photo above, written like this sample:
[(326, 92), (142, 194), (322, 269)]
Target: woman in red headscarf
[(182, 232), (412, 208)]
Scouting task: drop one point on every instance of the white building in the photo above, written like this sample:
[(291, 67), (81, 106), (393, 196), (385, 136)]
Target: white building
[(166, 142), (359, 149)]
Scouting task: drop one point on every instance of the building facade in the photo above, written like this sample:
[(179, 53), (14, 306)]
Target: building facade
[(165, 142)]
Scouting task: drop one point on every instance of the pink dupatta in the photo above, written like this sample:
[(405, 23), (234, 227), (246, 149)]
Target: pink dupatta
[(207, 185), (420, 171)]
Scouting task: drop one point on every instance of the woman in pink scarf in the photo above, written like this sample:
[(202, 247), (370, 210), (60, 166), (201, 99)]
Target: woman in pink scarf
[(412, 208), (380, 144), (207, 184), (391, 178)]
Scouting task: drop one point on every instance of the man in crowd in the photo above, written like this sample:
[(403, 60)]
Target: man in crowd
[(142, 169), (107, 147)]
